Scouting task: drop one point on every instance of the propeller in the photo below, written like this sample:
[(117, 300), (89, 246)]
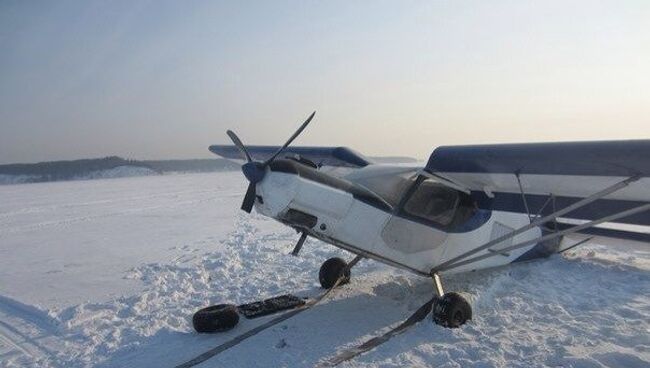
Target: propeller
[(254, 171)]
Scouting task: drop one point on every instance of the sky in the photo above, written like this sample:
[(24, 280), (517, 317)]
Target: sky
[(165, 79)]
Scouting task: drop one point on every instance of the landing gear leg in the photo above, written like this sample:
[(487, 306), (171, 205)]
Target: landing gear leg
[(301, 241), (354, 261), (333, 269), (437, 283), (450, 310)]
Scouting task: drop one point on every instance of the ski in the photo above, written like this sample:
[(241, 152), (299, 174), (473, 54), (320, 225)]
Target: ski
[(270, 306)]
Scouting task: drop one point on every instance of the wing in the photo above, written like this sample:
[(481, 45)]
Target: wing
[(327, 156), (544, 177)]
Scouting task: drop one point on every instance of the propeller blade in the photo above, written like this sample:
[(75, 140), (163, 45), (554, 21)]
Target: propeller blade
[(238, 143), (249, 198), (296, 134)]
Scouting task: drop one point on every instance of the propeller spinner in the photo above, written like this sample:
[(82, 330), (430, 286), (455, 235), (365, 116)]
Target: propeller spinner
[(254, 171)]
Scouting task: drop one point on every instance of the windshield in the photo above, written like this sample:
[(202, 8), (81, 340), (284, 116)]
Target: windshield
[(390, 186)]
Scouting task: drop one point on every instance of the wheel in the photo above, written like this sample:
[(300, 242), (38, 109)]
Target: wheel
[(215, 318), (451, 311), (331, 270)]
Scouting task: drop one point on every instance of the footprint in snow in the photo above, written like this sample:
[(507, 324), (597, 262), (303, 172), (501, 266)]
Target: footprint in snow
[(281, 344)]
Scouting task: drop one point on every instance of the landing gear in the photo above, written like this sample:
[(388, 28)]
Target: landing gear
[(331, 270), (334, 268), (449, 310), (224, 317)]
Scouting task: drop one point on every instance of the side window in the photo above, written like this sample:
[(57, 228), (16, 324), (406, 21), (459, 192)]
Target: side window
[(433, 202)]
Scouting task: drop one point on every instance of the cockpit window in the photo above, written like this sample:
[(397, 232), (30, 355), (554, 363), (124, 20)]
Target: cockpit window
[(421, 198), (433, 202), (389, 187)]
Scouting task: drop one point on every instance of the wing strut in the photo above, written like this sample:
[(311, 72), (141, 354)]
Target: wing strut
[(461, 259), (576, 244), (445, 181), (551, 236), (523, 197)]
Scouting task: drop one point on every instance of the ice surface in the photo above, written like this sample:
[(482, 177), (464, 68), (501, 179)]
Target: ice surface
[(16, 179), (108, 273)]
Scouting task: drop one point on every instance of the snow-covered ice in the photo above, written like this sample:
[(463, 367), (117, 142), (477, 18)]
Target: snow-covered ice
[(108, 273), (16, 179), (118, 172)]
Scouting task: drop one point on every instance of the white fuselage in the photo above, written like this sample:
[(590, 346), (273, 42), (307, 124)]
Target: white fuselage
[(349, 223)]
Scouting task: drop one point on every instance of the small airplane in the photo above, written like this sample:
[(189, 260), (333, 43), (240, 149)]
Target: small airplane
[(469, 208)]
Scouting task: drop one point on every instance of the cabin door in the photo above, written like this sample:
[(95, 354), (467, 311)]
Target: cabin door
[(414, 226)]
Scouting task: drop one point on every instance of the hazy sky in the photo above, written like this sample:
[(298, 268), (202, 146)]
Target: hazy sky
[(159, 79)]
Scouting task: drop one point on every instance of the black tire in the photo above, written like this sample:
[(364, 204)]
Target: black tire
[(331, 270), (215, 318), (451, 311)]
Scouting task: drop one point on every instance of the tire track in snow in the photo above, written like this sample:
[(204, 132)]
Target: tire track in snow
[(14, 342), (57, 207), (21, 328), (73, 220), (110, 208)]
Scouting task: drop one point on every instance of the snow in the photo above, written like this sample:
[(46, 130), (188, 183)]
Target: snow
[(107, 273)]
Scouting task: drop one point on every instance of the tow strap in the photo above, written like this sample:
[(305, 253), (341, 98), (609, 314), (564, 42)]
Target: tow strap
[(238, 339), (351, 353)]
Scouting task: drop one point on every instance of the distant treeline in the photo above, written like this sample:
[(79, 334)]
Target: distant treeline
[(92, 168), (194, 165), (69, 170)]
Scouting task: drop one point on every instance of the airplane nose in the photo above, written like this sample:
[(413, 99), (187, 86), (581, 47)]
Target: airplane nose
[(254, 171)]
